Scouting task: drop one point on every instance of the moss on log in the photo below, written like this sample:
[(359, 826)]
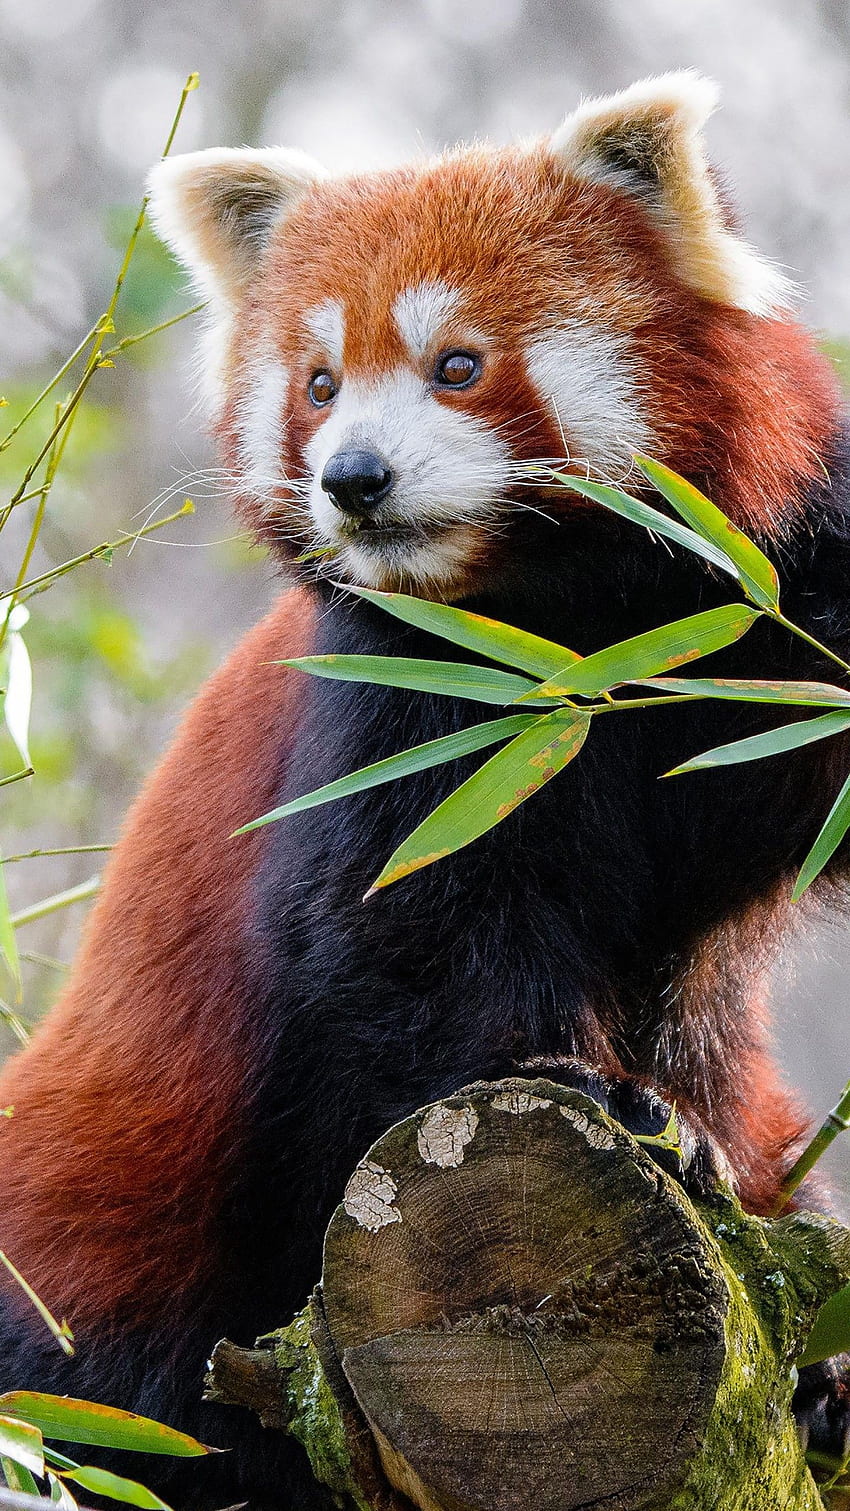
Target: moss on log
[(519, 1308)]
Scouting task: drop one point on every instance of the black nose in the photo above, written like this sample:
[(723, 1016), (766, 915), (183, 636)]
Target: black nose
[(356, 481)]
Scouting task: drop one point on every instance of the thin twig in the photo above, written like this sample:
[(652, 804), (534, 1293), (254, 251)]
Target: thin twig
[(81, 893), (38, 584), (103, 326), (6, 860)]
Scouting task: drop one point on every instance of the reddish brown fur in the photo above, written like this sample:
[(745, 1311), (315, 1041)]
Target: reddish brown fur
[(150, 1112), (742, 1100), (532, 247), (127, 1103)]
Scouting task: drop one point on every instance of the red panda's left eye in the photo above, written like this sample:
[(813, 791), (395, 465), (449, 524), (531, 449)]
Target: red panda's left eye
[(321, 389), (457, 369)]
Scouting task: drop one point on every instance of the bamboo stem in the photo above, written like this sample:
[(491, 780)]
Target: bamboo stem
[(837, 1121)]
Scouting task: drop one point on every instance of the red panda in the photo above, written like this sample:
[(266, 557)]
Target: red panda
[(385, 355)]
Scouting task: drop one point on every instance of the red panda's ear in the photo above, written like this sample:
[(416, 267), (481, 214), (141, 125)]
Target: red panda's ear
[(216, 209), (647, 142)]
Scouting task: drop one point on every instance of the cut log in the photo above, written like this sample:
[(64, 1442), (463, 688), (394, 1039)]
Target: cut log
[(520, 1309)]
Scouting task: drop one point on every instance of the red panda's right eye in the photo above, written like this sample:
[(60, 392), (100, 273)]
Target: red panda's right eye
[(321, 389), (457, 369)]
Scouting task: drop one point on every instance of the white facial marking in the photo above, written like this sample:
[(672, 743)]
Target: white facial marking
[(421, 311), (586, 375), (326, 324), (450, 471), (261, 425)]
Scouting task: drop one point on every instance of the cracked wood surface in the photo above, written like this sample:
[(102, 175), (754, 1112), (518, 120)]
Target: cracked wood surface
[(519, 1309), (537, 1324)]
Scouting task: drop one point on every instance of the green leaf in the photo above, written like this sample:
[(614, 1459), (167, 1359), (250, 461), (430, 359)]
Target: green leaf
[(640, 513), (23, 1443), (644, 655), (499, 786), (17, 704), (419, 758), (60, 1494), (475, 632), (115, 1487), (812, 693), (453, 679), (316, 555), (17, 1477), (669, 1138), (56, 1460), (772, 742), (75, 1421), (830, 837), (758, 575), (831, 1331)]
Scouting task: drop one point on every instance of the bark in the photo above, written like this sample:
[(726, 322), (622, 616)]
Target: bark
[(519, 1309)]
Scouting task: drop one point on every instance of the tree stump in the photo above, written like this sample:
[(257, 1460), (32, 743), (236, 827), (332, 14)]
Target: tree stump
[(520, 1309)]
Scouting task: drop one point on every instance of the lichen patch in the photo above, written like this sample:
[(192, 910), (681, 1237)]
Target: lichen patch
[(519, 1101), (370, 1195), (444, 1134), (598, 1138)]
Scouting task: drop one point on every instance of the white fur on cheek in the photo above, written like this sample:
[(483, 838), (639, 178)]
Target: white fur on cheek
[(326, 324), (261, 427), (586, 376), (421, 311), (450, 471)]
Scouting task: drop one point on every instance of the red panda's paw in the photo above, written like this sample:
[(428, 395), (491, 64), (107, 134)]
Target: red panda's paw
[(821, 1406), (643, 1110)]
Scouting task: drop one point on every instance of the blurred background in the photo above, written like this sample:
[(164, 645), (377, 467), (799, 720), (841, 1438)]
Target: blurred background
[(87, 91)]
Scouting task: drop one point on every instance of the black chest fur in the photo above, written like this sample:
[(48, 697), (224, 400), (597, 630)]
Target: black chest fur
[(562, 929)]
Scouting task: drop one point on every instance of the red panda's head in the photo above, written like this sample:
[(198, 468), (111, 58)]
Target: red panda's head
[(387, 353)]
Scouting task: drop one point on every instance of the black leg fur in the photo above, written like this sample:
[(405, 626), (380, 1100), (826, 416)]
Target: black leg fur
[(822, 1408)]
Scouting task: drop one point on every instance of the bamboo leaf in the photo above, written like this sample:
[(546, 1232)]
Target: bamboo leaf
[(475, 632), (75, 1421), (452, 679), (17, 703), (830, 1333), (772, 742), (60, 1494), (830, 837), (17, 1477), (419, 758), (643, 656), (757, 574), (23, 1443), (640, 513), (499, 786), (115, 1487), (812, 693), (669, 1138)]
